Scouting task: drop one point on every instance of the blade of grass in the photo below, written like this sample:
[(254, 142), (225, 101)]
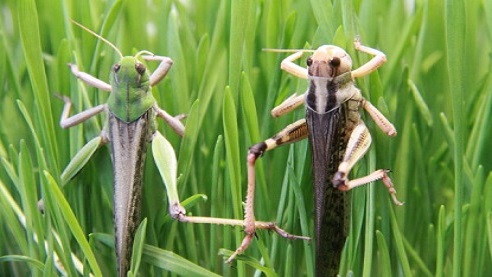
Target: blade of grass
[(138, 247), (400, 248), (303, 217), (169, 261), (31, 44), (385, 260), (232, 157), (455, 38), (71, 221), (239, 19), (21, 217)]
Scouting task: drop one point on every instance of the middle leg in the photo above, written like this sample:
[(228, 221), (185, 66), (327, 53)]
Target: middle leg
[(357, 146)]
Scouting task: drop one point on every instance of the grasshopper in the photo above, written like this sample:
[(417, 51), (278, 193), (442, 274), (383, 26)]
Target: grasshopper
[(132, 111), (338, 139)]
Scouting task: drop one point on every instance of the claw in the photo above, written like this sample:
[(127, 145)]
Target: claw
[(177, 211), (64, 98), (357, 42), (181, 116)]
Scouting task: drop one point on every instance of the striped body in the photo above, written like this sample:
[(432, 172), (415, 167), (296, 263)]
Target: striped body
[(128, 150), (338, 139), (131, 124), (330, 116)]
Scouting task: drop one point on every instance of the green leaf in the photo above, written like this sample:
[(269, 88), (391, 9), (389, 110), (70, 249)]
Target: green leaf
[(384, 255), (232, 149), (165, 160), (31, 44), (455, 22), (188, 144), (421, 105), (17, 258), (138, 245), (249, 261), (172, 262), (71, 221), (80, 160)]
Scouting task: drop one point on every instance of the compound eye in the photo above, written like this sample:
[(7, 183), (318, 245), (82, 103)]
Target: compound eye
[(335, 62), (116, 67), (140, 68), (309, 61)]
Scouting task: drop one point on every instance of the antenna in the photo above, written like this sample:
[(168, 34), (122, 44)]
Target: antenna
[(286, 50), (143, 52), (98, 36)]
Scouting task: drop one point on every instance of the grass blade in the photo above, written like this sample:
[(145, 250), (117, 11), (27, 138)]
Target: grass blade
[(455, 38), (169, 261), (71, 221)]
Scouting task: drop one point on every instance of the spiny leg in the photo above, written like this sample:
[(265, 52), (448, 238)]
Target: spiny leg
[(161, 71), (378, 60), (292, 133), (164, 158), (357, 146), (89, 79), (180, 214)]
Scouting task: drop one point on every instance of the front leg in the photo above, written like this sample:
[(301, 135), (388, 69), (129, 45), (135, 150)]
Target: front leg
[(89, 79), (378, 60), (294, 69), (294, 100), (162, 69), (357, 146)]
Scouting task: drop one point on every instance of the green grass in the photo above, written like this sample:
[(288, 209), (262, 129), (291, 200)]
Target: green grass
[(435, 88)]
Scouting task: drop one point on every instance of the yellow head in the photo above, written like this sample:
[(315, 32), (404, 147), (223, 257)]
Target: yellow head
[(329, 61)]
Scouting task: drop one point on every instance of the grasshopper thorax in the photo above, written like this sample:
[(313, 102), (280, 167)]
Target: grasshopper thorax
[(131, 95), (329, 61)]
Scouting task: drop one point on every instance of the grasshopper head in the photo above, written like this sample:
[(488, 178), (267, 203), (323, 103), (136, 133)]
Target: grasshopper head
[(130, 72), (329, 61), (131, 95)]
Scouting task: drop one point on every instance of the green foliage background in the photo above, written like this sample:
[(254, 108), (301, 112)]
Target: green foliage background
[(435, 88)]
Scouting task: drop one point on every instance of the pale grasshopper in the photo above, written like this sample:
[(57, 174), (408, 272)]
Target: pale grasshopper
[(132, 111), (338, 139)]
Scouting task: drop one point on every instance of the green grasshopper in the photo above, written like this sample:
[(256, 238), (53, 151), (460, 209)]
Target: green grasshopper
[(338, 138), (132, 111)]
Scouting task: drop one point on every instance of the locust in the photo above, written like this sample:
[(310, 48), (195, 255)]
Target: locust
[(132, 112), (338, 139)]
